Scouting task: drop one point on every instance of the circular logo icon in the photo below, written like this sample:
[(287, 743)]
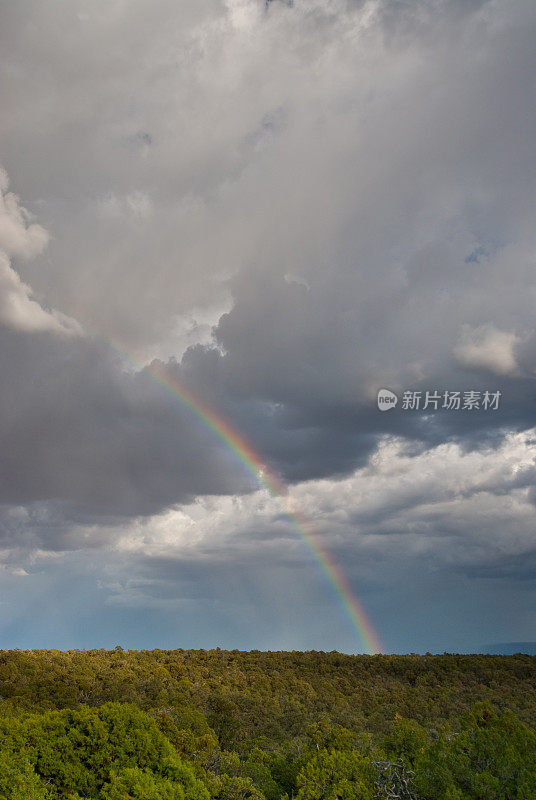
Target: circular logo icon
[(386, 399)]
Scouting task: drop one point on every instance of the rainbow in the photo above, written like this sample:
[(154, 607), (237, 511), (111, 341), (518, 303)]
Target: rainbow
[(267, 478)]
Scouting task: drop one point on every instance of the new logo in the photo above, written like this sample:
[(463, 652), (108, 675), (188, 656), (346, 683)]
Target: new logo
[(386, 399)]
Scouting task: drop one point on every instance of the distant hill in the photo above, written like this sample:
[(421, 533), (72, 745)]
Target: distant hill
[(510, 648)]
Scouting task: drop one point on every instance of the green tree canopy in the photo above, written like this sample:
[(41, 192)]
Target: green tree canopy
[(337, 775)]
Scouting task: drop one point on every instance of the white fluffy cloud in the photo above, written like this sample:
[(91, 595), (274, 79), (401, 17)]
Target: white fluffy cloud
[(460, 508), (488, 348), (23, 238), (19, 235)]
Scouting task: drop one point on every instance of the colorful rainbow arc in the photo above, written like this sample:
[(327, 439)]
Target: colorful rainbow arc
[(254, 463)]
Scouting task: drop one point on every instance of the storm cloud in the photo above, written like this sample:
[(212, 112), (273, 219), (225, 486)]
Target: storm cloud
[(289, 206)]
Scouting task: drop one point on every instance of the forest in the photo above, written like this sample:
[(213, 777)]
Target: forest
[(230, 725)]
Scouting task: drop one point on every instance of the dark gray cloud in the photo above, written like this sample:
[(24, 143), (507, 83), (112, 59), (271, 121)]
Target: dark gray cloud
[(79, 431)]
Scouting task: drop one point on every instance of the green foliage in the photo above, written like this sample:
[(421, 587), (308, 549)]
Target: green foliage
[(492, 758), (175, 769), (75, 751), (194, 725), (71, 749), (190, 735), (138, 784), (18, 780), (233, 787), (406, 741), (323, 735), (337, 775), (246, 697)]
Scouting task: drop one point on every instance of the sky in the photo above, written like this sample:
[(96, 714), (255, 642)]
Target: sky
[(286, 207)]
